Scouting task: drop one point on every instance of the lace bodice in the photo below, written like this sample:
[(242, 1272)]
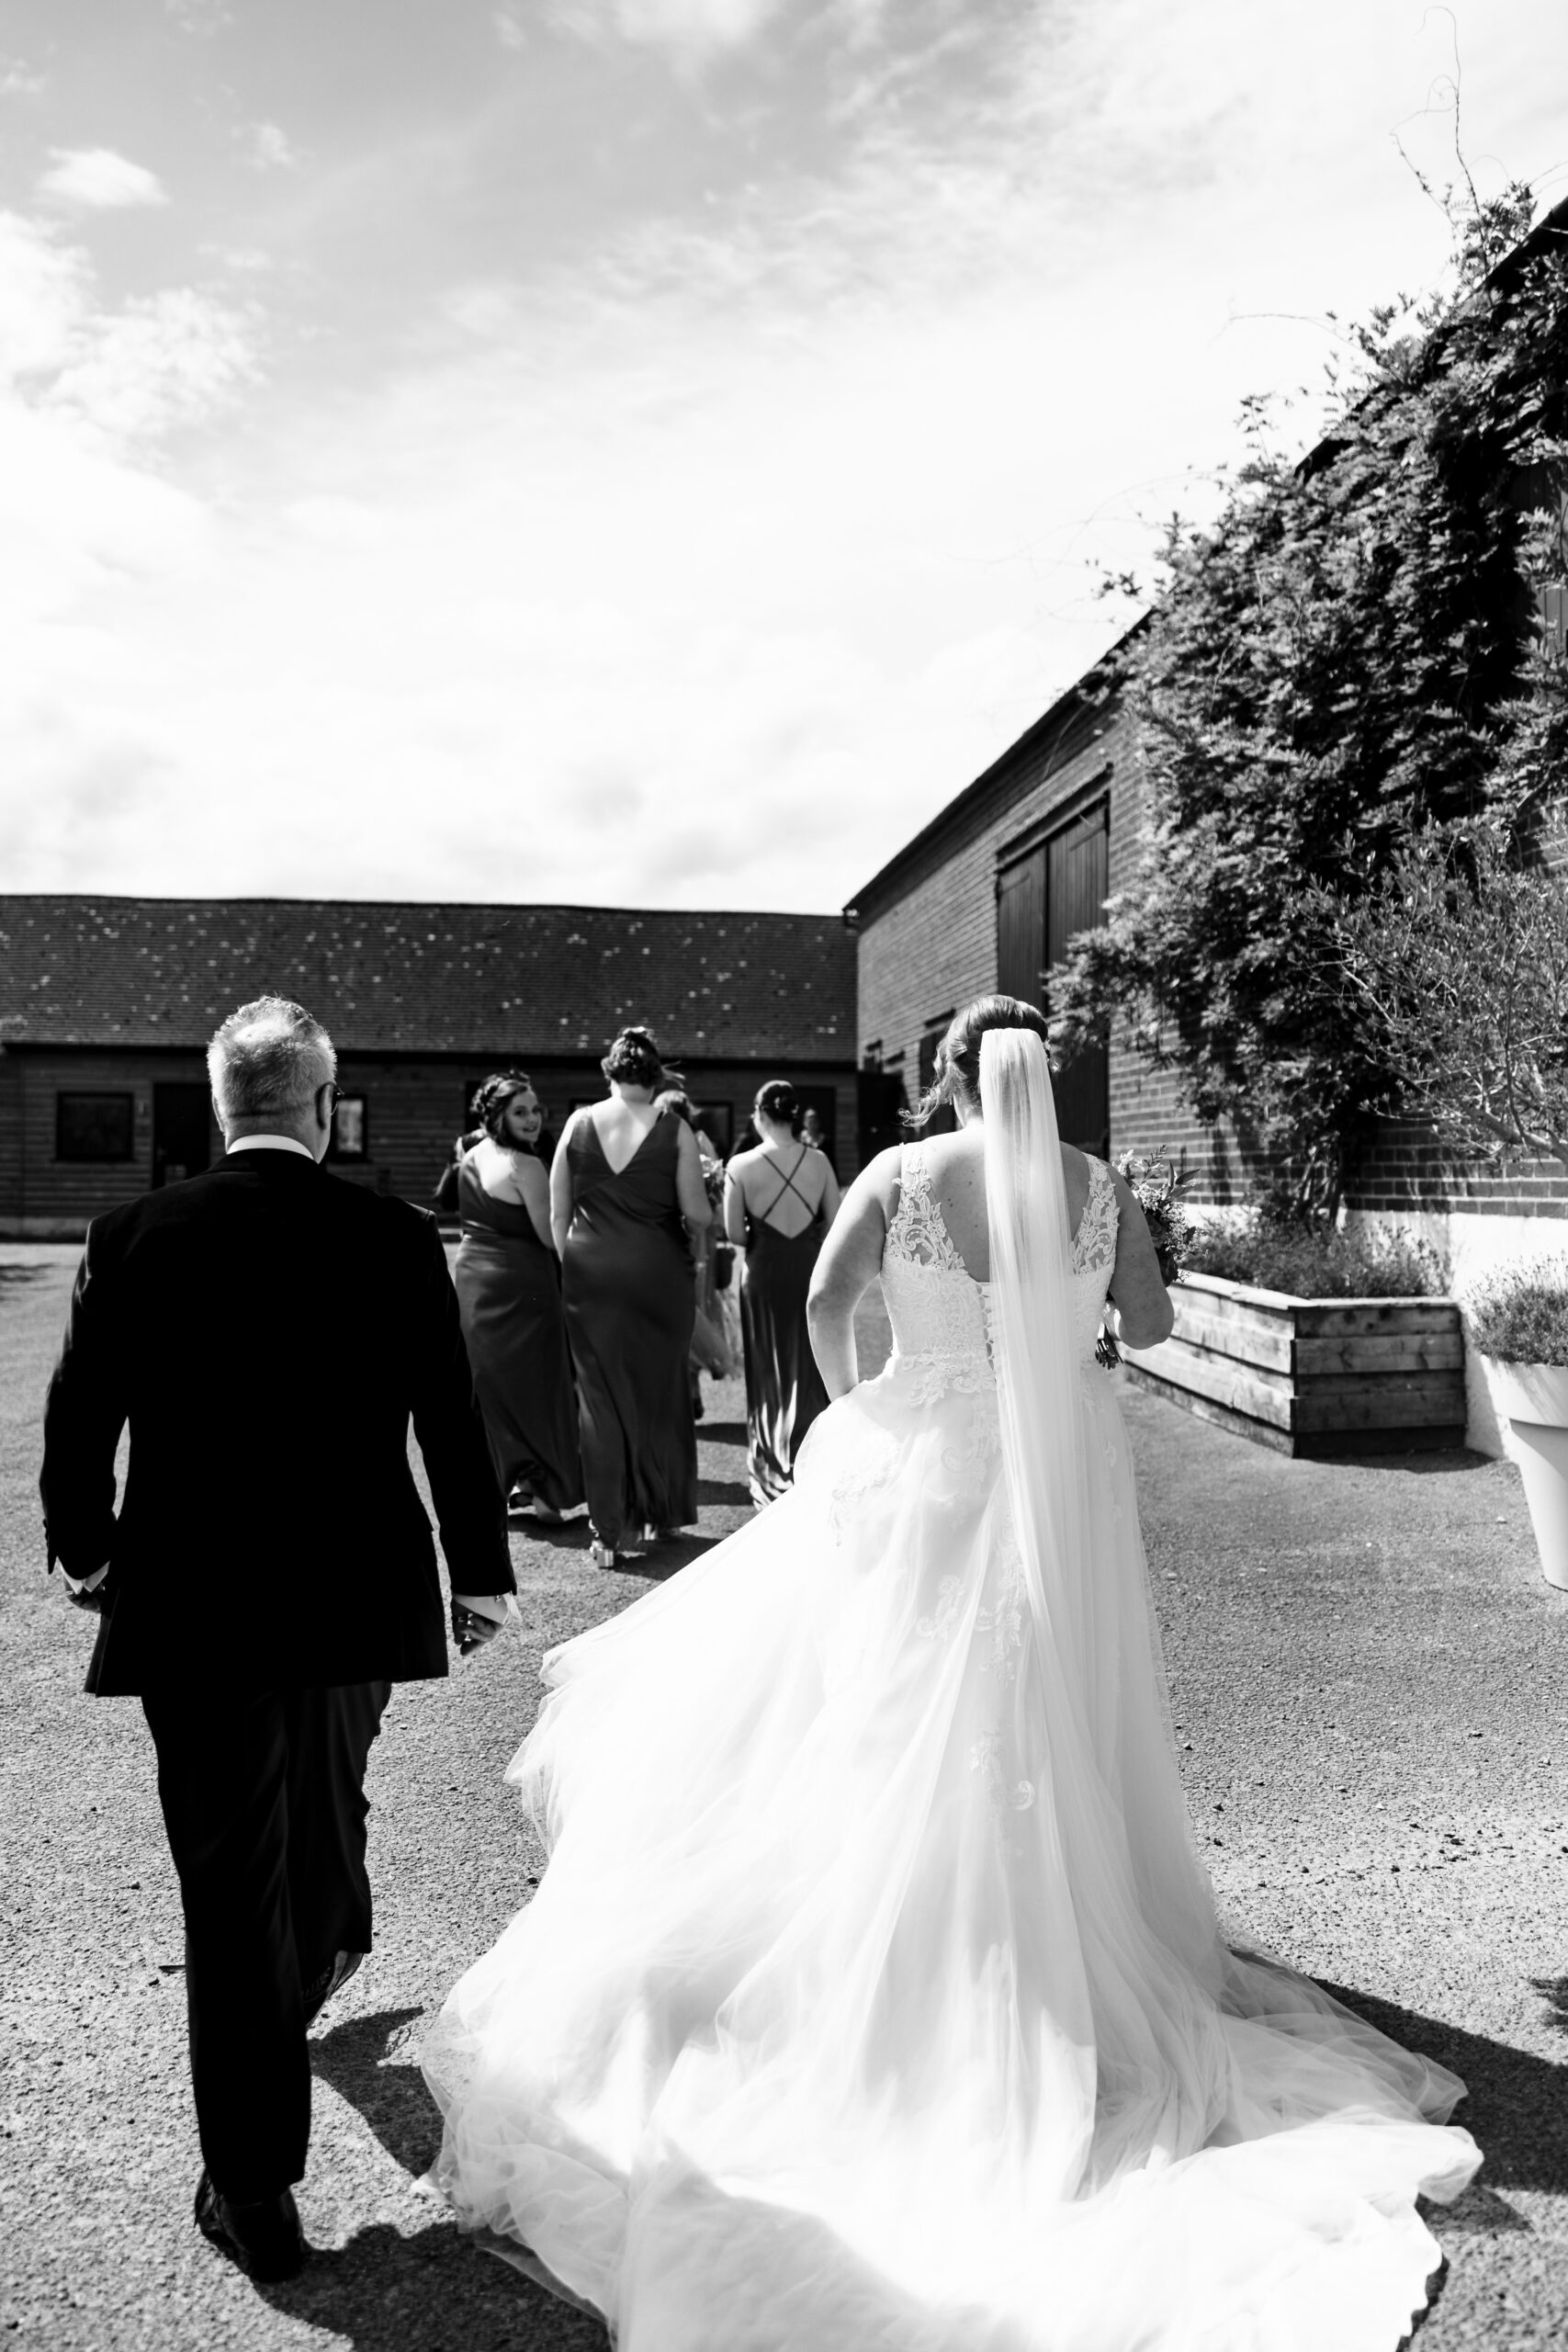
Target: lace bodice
[(942, 1315)]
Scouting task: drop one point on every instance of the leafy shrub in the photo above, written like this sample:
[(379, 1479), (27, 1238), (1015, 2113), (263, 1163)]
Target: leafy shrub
[(1272, 1253), (1521, 1316)]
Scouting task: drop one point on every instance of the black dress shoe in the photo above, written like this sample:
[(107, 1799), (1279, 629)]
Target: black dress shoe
[(264, 2238)]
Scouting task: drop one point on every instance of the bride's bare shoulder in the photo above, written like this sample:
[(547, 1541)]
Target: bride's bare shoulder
[(956, 1149)]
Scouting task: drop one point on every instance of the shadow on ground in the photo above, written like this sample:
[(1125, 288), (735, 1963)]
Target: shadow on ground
[(435, 2291), (723, 1494), (383, 2292), (1516, 2107), (391, 2096), (1438, 1464)]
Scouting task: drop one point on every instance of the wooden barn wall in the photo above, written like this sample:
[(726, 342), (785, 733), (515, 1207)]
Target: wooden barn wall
[(415, 1109)]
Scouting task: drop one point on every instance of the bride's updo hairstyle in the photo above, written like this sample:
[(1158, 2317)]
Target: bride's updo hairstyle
[(633, 1059), (957, 1068)]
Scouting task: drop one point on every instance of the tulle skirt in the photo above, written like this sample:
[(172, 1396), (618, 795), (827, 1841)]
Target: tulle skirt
[(873, 1998)]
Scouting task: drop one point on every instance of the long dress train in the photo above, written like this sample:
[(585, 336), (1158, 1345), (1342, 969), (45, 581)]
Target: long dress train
[(509, 1298), (628, 1283), (873, 1995)]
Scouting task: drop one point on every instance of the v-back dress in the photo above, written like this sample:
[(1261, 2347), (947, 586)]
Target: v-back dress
[(816, 2033), (783, 1388), (627, 1283), (509, 1298)]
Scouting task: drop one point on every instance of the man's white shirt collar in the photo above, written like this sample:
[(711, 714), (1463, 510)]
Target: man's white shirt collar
[(270, 1143)]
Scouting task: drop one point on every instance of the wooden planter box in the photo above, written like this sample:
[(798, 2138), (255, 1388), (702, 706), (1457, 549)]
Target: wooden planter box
[(1312, 1375)]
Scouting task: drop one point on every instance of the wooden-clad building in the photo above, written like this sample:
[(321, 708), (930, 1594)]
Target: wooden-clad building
[(106, 1005)]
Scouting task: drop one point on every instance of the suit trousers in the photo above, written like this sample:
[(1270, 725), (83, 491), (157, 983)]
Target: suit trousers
[(264, 1802)]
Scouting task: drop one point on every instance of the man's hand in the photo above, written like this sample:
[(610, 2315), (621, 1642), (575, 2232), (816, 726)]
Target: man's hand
[(90, 1593), (477, 1618)]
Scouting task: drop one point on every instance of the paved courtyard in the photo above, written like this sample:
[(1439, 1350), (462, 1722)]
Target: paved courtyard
[(1368, 1681)]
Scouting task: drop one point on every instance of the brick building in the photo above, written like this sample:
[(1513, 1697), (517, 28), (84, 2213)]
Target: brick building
[(987, 896), (106, 1005)]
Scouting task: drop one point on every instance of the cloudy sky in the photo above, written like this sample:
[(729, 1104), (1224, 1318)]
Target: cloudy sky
[(652, 451)]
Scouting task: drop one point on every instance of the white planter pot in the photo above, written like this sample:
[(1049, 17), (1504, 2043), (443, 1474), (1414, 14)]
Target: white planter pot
[(1534, 1398)]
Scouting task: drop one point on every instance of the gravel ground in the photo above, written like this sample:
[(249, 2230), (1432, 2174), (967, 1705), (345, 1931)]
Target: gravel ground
[(1366, 1670)]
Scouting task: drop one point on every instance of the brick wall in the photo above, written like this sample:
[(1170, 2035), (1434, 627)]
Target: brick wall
[(1405, 1170), (929, 942)]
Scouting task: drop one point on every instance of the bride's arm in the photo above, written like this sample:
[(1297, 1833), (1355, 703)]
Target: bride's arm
[(848, 1264), (1143, 1312)]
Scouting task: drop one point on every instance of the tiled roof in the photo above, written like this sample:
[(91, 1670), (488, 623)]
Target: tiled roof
[(387, 977)]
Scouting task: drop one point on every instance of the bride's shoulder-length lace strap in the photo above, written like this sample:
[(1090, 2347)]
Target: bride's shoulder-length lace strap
[(916, 1232), (1094, 1244)]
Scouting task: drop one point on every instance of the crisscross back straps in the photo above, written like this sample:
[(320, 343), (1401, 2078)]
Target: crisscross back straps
[(788, 1185)]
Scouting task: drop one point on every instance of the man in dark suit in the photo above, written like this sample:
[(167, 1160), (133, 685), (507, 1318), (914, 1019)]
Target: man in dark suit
[(267, 1332)]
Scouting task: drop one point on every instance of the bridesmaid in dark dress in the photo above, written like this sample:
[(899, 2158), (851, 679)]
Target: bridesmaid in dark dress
[(626, 1191), (779, 1201), (509, 1298)]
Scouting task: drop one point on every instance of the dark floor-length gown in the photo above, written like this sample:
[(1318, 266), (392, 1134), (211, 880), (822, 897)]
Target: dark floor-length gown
[(783, 1388), (509, 1295), (627, 1284)]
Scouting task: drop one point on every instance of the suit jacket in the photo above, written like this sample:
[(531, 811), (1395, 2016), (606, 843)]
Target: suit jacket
[(267, 1331)]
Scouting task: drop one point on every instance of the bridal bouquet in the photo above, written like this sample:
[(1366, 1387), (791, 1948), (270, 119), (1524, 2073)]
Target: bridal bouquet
[(1157, 1183)]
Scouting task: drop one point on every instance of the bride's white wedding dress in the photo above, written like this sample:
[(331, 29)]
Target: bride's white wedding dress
[(873, 1995)]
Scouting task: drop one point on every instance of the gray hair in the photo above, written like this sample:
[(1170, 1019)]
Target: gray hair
[(268, 1060)]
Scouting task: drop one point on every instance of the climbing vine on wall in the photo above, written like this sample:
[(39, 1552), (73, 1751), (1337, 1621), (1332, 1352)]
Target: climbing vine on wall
[(1351, 653)]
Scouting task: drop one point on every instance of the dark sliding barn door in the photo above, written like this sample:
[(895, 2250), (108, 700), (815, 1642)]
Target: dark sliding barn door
[(181, 1137), (1043, 897), (1020, 928)]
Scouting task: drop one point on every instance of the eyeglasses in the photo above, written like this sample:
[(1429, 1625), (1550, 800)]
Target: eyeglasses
[(334, 1094)]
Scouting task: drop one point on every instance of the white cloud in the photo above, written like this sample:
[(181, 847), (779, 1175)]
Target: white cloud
[(200, 16), (83, 391), (510, 31), (269, 148), (688, 29), (19, 80), (99, 180), (703, 570), (164, 361), (44, 293)]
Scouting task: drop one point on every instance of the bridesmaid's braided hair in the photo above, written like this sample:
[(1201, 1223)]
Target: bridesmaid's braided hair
[(958, 1055), (490, 1101)]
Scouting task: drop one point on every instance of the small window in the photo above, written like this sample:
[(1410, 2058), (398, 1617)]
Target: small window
[(351, 1128), (95, 1126)]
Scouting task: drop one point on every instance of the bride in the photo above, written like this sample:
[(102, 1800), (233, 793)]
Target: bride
[(873, 1995)]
